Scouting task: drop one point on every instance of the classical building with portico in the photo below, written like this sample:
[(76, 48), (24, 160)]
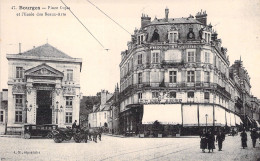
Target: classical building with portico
[(43, 87)]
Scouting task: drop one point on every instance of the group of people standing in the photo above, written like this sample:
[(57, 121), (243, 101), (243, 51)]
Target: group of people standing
[(254, 135), (208, 140)]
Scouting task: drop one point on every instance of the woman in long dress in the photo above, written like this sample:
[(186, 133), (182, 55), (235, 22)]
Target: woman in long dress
[(243, 139), (203, 141)]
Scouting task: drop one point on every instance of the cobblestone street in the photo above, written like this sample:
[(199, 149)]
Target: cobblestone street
[(116, 148)]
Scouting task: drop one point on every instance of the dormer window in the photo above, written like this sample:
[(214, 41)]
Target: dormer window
[(173, 36), (206, 36), (140, 39), (156, 36)]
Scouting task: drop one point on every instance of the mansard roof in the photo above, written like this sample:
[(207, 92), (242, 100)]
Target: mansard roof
[(175, 21), (45, 50)]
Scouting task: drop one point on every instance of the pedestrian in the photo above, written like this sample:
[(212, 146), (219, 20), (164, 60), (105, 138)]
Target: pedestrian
[(220, 138), (254, 136), (243, 138), (203, 141), (74, 125), (210, 140)]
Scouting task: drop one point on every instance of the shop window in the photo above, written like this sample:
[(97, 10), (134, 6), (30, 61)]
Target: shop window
[(68, 117), (190, 94), (18, 117), (69, 101)]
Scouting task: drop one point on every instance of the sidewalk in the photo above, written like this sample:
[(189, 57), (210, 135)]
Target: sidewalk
[(122, 136)]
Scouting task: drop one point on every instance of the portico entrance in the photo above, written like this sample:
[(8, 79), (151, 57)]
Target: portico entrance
[(44, 112)]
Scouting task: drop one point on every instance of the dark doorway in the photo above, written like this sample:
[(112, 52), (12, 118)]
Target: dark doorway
[(44, 112)]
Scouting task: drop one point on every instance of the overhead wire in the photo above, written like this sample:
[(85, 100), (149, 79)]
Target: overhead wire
[(109, 17), (82, 24)]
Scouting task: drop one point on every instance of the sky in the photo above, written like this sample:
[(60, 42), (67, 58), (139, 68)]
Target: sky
[(236, 21)]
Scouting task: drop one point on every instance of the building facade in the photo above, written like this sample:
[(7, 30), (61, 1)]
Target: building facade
[(3, 110), (106, 114), (43, 87), (175, 71)]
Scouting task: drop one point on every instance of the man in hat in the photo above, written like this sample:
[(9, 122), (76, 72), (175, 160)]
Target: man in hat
[(254, 136), (220, 138)]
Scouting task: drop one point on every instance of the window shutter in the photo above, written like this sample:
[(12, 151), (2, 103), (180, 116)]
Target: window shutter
[(198, 55), (184, 56), (198, 76), (183, 76)]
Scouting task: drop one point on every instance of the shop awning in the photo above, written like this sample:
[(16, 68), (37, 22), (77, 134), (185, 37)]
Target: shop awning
[(228, 118), (190, 115), (203, 110), (238, 120), (165, 114), (232, 119), (220, 116)]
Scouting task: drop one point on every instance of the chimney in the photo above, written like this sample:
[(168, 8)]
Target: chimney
[(166, 14), (202, 17), (145, 20), (20, 46)]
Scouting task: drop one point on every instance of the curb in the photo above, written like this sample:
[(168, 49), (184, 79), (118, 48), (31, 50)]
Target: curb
[(11, 136)]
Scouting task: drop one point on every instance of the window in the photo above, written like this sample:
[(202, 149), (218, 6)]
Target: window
[(69, 102), (140, 79), (171, 37), (140, 95), (69, 75), (191, 56), (68, 117), (175, 37), (155, 94), (105, 115), (172, 94), (206, 77), (190, 94), (1, 116), (190, 76), (155, 58), (18, 116), (206, 95), (140, 59), (207, 57), (173, 76), (19, 72), (18, 100)]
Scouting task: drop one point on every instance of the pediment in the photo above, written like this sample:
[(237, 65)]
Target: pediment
[(43, 70)]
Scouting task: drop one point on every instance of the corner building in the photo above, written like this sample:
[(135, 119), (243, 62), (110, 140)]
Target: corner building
[(175, 71), (43, 88)]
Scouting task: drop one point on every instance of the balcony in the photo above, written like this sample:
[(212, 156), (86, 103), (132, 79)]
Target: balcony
[(174, 86)]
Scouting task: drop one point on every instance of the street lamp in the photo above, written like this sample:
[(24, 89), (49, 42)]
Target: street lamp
[(57, 103), (206, 122), (26, 109)]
